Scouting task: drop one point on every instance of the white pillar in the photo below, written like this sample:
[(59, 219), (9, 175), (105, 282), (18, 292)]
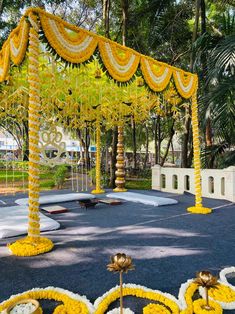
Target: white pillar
[(229, 175), (156, 177)]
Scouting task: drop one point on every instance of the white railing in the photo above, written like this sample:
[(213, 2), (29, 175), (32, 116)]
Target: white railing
[(216, 183)]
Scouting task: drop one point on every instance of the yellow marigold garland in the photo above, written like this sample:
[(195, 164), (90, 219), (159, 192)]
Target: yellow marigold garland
[(222, 293), (19, 41), (33, 244), (60, 309), (75, 49), (70, 305), (198, 208), (138, 291), (4, 61), (121, 62), (185, 82), (187, 297), (152, 308), (156, 74), (29, 246)]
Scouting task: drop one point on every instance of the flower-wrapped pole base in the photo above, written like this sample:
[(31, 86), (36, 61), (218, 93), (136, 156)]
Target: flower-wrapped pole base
[(29, 246), (199, 210), (199, 307), (98, 191)]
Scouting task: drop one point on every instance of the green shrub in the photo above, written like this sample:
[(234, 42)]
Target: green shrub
[(104, 178), (60, 176)]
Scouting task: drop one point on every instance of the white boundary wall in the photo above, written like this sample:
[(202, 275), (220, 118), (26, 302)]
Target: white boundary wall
[(216, 183)]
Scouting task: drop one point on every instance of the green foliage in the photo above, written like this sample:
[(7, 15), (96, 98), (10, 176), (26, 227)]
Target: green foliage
[(12, 176), (139, 184), (60, 175), (104, 178)]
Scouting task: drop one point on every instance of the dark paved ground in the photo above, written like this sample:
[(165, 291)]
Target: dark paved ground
[(168, 246)]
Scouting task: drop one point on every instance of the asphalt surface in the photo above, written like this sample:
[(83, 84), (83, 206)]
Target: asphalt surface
[(168, 246)]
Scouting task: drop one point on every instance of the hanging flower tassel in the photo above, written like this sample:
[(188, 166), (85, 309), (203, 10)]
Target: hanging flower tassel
[(33, 244), (198, 208), (98, 189)]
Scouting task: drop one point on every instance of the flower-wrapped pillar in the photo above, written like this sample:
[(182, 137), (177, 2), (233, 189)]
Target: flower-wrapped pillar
[(33, 244), (98, 189), (120, 165), (198, 208)]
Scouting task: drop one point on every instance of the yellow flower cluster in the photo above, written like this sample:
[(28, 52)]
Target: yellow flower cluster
[(156, 74), (152, 308), (75, 46), (19, 41), (222, 293), (60, 309), (69, 306), (4, 61), (140, 293), (198, 208), (198, 307), (31, 246), (191, 289), (185, 82), (121, 62)]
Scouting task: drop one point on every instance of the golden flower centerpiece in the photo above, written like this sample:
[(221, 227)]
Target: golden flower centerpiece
[(120, 263), (206, 280)]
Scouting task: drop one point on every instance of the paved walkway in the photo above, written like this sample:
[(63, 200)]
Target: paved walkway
[(168, 246)]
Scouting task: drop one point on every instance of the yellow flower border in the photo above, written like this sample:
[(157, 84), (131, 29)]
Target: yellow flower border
[(222, 293), (156, 87), (19, 38), (138, 291), (59, 45), (70, 305), (120, 54), (4, 61), (153, 308)]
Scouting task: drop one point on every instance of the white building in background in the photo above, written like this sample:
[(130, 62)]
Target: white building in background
[(9, 147)]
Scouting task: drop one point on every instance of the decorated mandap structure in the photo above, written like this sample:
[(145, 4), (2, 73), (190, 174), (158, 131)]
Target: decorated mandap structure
[(75, 46)]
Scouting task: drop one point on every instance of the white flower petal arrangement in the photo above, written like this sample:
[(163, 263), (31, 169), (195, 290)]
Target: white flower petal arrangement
[(24, 308), (224, 295), (117, 311)]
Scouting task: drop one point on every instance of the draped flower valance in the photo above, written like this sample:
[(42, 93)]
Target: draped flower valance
[(76, 46)]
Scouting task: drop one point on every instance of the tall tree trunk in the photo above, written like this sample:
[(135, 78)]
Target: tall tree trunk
[(159, 140), (208, 132), (1, 7), (106, 10), (134, 142), (25, 149), (172, 152), (146, 147), (124, 6), (168, 145), (185, 161), (155, 142)]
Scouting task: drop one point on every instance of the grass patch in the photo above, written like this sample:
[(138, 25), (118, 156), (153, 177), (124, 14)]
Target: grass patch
[(47, 184), (47, 181), (139, 184), (10, 175)]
